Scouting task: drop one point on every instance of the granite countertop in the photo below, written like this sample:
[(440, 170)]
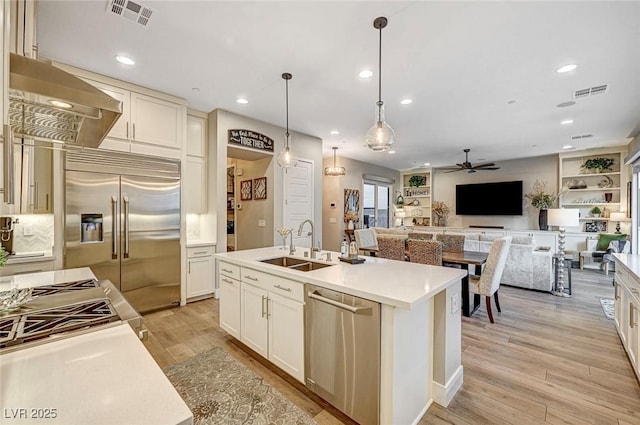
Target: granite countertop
[(103, 377), (397, 283)]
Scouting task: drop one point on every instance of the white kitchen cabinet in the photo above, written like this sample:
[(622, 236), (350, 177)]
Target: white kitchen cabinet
[(148, 125), (200, 280), (272, 319), (195, 172), (230, 305), (627, 312), (286, 331), (254, 323)]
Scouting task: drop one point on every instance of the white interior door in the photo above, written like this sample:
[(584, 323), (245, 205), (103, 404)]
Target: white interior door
[(298, 200)]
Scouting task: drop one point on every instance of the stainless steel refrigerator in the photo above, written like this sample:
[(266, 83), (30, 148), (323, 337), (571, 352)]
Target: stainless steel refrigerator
[(122, 219)]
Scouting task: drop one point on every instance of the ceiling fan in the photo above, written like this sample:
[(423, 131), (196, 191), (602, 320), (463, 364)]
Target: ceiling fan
[(466, 165)]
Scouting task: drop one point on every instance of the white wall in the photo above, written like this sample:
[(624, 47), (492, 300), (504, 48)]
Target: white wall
[(303, 146), (333, 192), (543, 168)]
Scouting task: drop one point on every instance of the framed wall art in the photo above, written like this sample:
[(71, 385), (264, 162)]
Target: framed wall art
[(260, 188), (246, 190)]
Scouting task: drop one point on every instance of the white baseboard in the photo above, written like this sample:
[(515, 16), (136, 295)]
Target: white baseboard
[(443, 394), (422, 412)]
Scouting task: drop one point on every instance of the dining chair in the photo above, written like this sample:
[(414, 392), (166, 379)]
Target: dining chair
[(425, 251), (391, 248), (452, 243), (489, 282), (420, 235)]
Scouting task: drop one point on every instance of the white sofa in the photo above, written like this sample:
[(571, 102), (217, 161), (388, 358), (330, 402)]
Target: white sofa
[(525, 268)]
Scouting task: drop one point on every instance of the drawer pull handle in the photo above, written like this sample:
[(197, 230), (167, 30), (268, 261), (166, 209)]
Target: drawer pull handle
[(255, 279), (199, 252), (227, 280), (283, 288), (228, 271)]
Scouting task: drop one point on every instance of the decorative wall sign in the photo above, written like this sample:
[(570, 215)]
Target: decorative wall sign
[(250, 139), (260, 188), (245, 190)]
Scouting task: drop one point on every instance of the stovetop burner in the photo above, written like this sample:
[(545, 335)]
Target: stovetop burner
[(43, 323), (65, 287)]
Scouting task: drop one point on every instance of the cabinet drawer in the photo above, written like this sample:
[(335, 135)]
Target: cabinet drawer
[(230, 270), (200, 251), (256, 278), (287, 288)]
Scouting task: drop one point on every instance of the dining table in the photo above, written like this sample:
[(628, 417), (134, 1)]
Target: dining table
[(464, 259)]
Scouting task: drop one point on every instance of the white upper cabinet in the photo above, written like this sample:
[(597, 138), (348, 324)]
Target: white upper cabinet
[(195, 172), (196, 135)]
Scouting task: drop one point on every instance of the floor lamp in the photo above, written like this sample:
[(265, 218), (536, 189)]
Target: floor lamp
[(562, 218)]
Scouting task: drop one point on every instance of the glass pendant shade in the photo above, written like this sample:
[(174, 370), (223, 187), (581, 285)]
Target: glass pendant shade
[(285, 157), (380, 137), (335, 170)]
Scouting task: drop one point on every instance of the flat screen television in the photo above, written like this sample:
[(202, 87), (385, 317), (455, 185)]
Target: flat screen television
[(501, 198)]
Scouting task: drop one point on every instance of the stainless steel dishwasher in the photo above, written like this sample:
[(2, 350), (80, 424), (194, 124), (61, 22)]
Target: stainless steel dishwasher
[(342, 352)]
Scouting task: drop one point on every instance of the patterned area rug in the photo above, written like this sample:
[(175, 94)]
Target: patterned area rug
[(607, 307), (220, 390)]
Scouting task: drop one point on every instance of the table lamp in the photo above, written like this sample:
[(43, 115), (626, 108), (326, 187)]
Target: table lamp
[(401, 214), (562, 218), (617, 216)]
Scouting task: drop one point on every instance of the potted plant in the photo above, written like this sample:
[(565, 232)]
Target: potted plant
[(599, 164), (595, 211), (417, 180), (541, 200)]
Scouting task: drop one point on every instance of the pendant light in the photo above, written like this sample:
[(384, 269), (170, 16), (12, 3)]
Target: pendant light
[(335, 170), (380, 136), (285, 157)]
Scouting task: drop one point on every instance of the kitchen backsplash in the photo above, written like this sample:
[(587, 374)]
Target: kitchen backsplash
[(39, 233), (193, 227)]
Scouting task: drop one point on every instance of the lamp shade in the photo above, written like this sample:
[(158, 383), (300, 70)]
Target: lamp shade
[(401, 214), (618, 216), (562, 217)]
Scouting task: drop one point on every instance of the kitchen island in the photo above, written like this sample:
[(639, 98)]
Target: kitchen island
[(420, 325), (104, 376)]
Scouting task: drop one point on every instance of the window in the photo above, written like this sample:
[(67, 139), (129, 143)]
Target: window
[(376, 203)]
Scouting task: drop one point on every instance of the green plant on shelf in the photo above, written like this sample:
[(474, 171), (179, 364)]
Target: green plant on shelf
[(599, 164), (416, 181), (595, 211)]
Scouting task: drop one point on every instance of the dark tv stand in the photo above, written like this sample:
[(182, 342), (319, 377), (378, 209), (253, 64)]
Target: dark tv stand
[(486, 227)]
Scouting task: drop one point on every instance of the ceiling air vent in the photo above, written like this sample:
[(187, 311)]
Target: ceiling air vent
[(133, 11), (583, 136), (590, 91)]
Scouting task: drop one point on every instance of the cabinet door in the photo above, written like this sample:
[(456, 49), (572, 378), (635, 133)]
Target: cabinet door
[(633, 335), (199, 276), (617, 301), (253, 318), (118, 137), (156, 121), (230, 305), (195, 185), (196, 136), (286, 335)]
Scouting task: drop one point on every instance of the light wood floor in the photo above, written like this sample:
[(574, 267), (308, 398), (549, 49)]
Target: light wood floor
[(546, 360)]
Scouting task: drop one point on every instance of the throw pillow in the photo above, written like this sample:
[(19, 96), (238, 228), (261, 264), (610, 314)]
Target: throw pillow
[(605, 238)]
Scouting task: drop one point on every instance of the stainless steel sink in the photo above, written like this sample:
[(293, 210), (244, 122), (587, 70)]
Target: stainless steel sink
[(296, 263)]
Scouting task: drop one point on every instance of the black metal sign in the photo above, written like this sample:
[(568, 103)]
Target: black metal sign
[(250, 139)]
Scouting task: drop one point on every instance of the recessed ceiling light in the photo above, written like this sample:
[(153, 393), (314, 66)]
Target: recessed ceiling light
[(365, 74), (406, 101), (60, 104), (335, 132), (565, 104), (565, 147), (242, 100), (391, 152), (426, 164), (125, 60), (566, 122), (566, 68)]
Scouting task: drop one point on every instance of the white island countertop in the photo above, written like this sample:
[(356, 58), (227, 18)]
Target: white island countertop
[(103, 377), (29, 280), (396, 283)]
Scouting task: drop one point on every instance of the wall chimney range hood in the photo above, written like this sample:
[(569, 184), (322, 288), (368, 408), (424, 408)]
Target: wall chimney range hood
[(47, 103)]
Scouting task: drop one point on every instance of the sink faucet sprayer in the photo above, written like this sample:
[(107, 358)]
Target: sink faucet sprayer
[(313, 244)]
